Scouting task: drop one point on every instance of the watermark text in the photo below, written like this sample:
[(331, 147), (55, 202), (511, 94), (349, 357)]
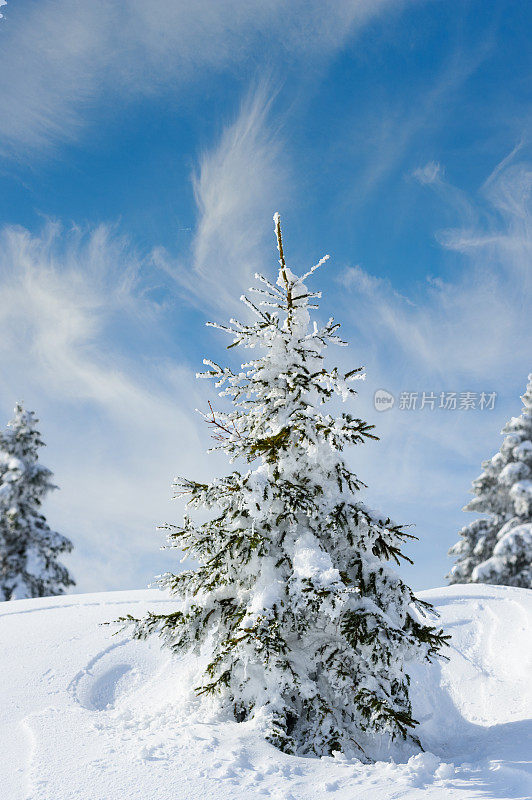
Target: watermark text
[(432, 401)]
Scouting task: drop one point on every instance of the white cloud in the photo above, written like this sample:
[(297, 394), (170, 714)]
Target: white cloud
[(384, 134), (428, 174), (238, 186), (82, 345), (357, 279), (470, 325), (61, 57)]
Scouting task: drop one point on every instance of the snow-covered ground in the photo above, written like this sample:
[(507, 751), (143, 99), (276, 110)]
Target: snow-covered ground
[(88, 715)]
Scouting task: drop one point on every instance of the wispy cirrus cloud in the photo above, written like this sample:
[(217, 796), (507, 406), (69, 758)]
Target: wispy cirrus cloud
[(238, 184), (429, 174), (470, 324), (119, 420), (384, 134), (61, 58)]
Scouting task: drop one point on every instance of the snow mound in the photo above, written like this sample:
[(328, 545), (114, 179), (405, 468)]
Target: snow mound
[(88, 715)]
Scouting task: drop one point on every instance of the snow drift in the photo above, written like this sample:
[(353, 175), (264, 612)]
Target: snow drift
[(89, 715)]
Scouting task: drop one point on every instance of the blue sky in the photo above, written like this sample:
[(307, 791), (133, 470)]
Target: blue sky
[(143, 150)]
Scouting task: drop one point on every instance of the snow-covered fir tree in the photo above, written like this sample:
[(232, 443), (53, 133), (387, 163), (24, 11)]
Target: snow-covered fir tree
[(28, 547), (498, 548), (308, 624)]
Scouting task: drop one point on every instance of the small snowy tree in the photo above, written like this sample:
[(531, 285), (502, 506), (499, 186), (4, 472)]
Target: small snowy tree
[(309, 625), (498, 548), (28, 548)]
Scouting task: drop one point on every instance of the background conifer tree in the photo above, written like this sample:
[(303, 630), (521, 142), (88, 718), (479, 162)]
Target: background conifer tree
[(498, 549), (28, 548), (309, 625)]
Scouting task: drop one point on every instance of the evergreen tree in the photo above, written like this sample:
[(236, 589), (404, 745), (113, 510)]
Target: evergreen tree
[(309, 625), (498, 548), (28, 548)]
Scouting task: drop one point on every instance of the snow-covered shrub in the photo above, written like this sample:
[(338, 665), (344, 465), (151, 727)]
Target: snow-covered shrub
[(310, 627), (498, 548), (28, 547)]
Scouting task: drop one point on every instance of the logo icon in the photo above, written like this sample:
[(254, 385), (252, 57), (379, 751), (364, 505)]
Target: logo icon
[(383, 400)]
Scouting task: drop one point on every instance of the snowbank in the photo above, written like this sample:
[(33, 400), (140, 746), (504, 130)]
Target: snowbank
[(86, 715)]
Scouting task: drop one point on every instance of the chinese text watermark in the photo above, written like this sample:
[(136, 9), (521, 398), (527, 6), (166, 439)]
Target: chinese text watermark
[(447, 401)]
